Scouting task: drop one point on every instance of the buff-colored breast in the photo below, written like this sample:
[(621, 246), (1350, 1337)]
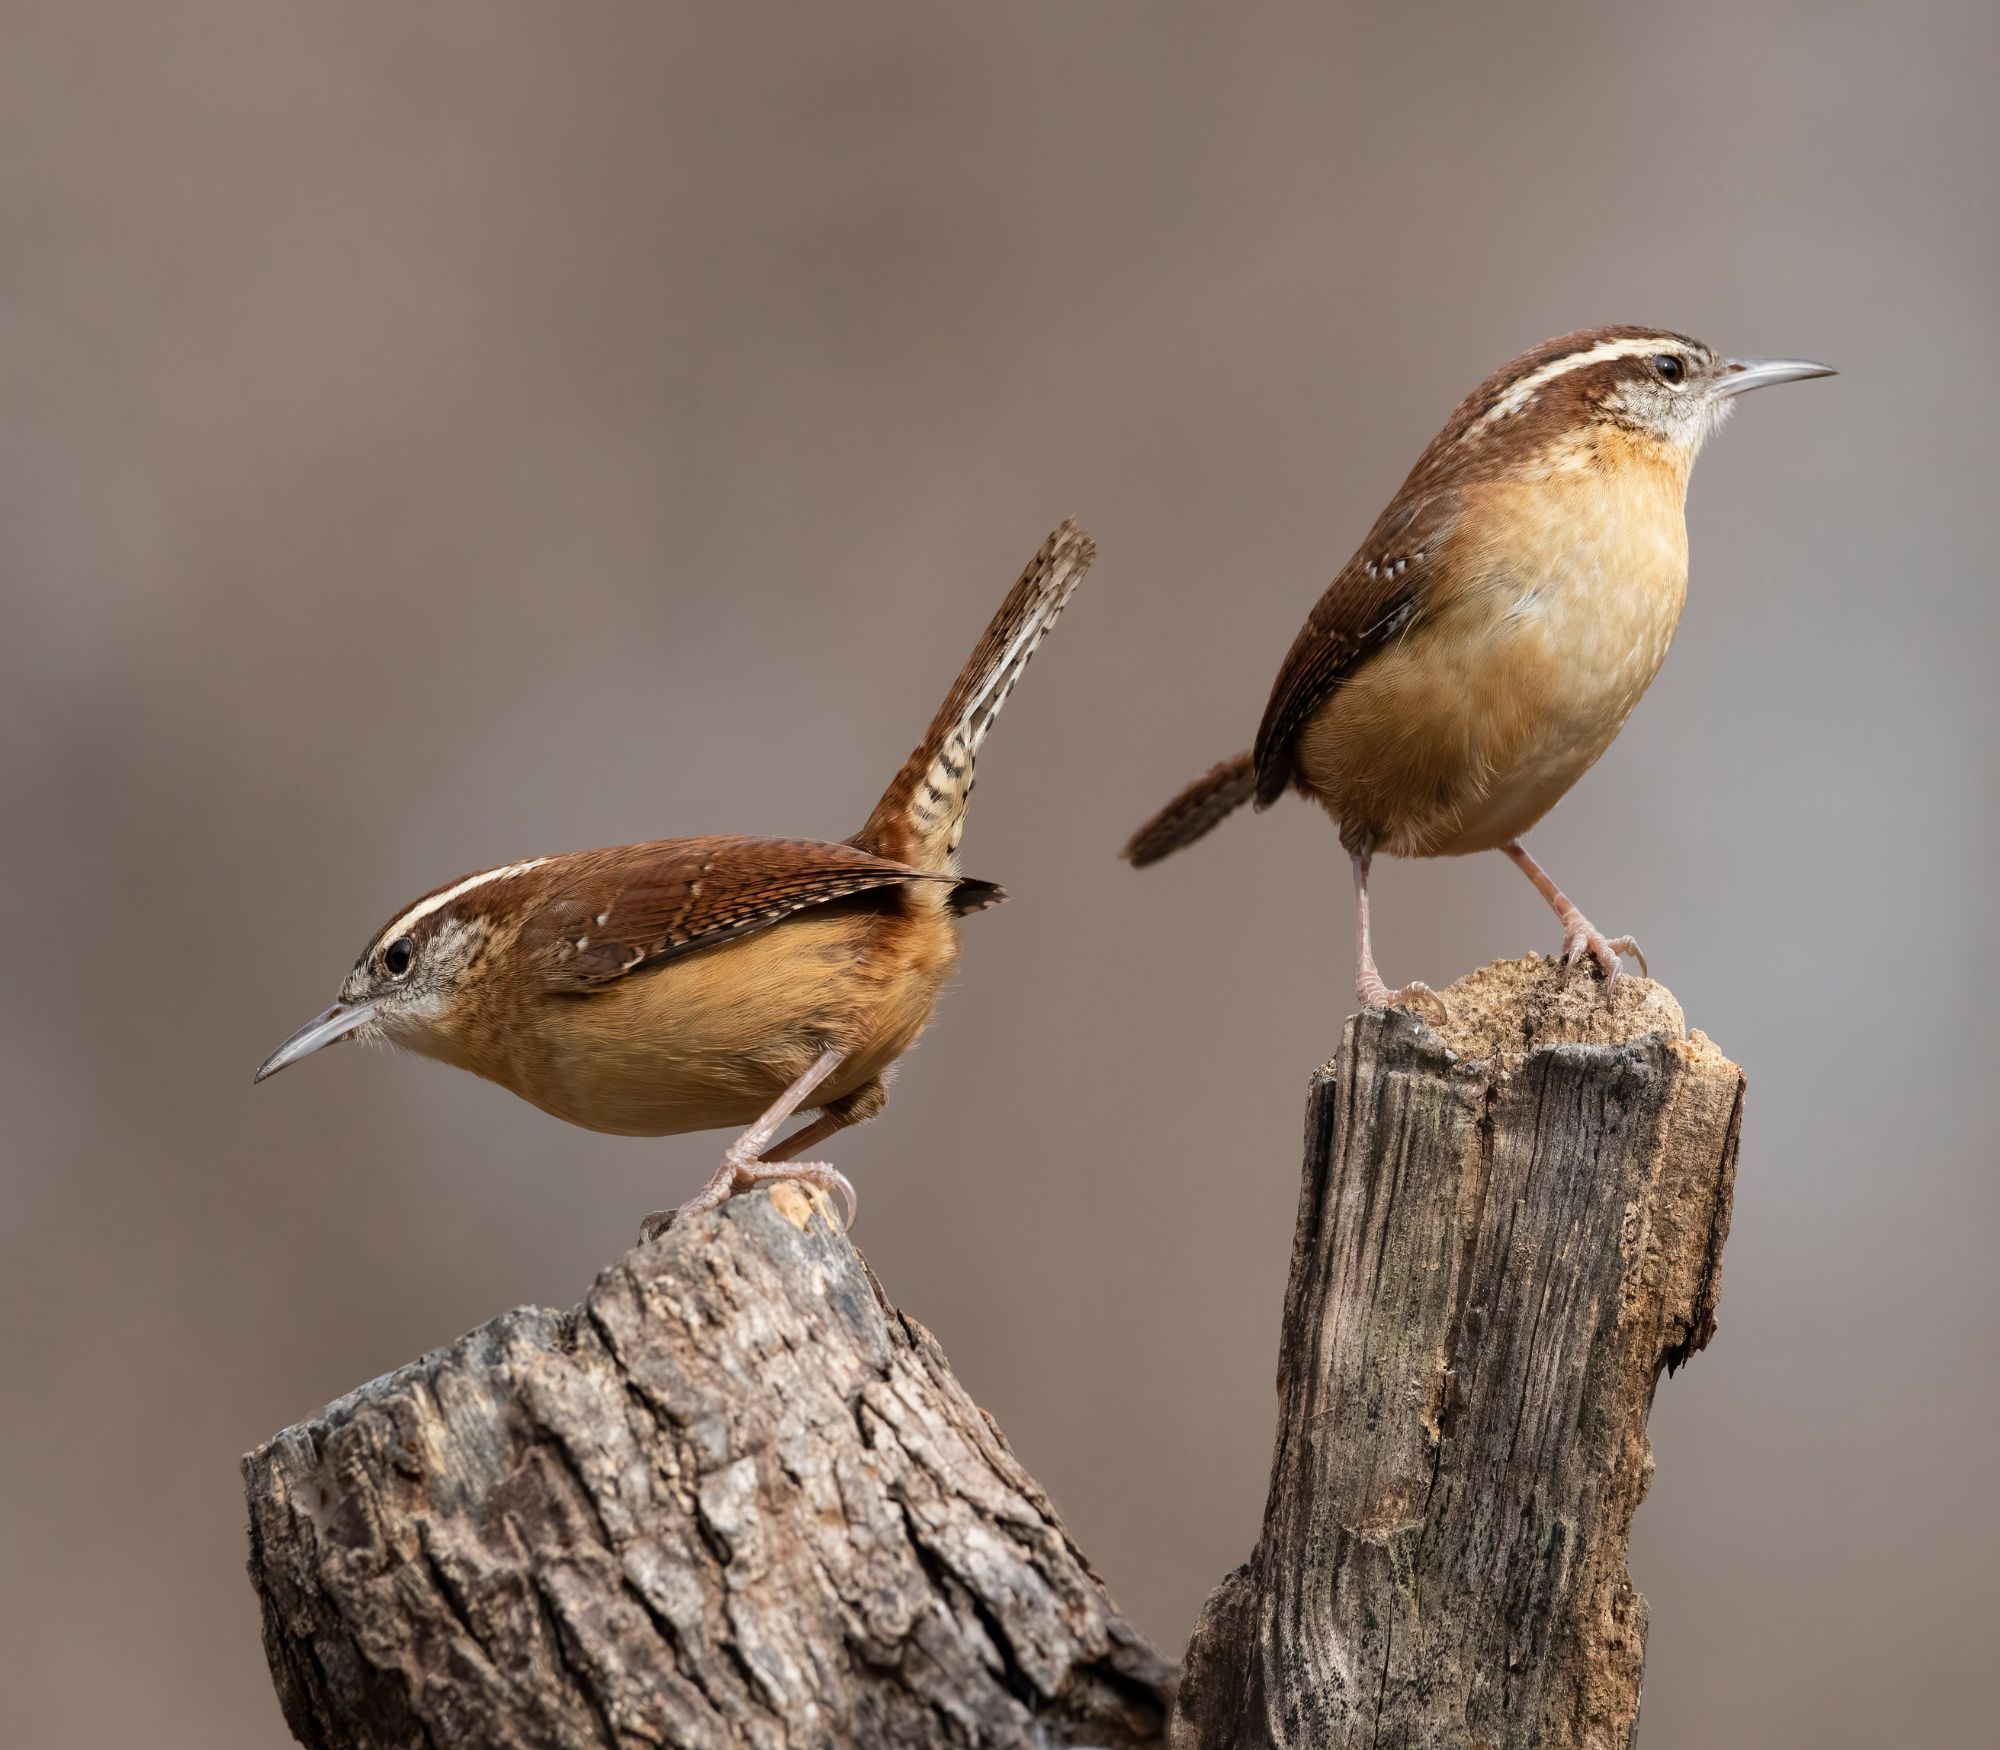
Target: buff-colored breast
[(1552, 611), (711, 1040)]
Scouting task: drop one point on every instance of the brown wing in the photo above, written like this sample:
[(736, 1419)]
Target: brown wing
[(1373, 599), (613, 912)]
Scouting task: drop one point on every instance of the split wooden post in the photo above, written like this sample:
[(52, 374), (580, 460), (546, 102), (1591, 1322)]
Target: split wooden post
[(1508, 1227)]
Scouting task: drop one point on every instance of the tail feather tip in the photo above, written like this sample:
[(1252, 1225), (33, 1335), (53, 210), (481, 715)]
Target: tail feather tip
[(1195, 812)]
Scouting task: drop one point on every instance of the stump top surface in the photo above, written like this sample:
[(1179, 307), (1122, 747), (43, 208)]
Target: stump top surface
[(1507, 1009)]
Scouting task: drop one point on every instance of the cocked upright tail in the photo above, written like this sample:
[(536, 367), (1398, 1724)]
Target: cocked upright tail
[(921, 815), (696, 983)]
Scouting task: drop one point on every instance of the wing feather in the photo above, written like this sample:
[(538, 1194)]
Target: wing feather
[(1376, 596), (610, 913)]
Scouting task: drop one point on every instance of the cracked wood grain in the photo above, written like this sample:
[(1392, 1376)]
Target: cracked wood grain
[(735, 1498), (1507, 1229)]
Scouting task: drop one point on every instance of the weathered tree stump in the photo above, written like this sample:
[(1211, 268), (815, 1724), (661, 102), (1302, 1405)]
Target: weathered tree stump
[(1507, 1228), (735, 1498)]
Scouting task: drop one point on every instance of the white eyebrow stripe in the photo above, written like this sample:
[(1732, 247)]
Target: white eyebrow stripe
[(1535, 381), (438, 901)]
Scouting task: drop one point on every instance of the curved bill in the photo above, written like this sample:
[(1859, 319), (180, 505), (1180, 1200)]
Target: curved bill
[(336, 1023), (1740, 376)]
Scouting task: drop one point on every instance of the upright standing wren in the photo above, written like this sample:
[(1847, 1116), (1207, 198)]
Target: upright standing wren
[(692, 983), (1499, 623)]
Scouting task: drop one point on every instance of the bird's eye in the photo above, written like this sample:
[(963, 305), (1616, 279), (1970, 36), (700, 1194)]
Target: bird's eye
[(398, 957), (1670, 368)]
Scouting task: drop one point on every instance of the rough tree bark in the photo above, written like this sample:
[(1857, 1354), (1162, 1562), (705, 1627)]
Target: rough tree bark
[(734, 1498), (1507, 1228)]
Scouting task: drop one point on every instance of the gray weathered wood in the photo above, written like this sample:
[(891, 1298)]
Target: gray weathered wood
[(735, 1498), (1507, 1228)]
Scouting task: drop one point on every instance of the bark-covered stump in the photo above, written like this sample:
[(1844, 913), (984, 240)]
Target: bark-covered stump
[(1507, 1228), (735, 1498)]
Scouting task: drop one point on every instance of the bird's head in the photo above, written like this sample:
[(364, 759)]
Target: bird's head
[(1568, 401), (419, 975)]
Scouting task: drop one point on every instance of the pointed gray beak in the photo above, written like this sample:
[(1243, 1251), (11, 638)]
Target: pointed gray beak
[(339, 1021), (1740, 376)]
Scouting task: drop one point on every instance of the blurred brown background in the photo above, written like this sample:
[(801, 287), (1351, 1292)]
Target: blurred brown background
[(431, 435)]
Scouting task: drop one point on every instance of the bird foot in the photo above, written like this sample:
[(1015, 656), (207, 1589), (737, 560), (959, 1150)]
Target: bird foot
[(1582, 937), (738, 1173), (1374, 994)]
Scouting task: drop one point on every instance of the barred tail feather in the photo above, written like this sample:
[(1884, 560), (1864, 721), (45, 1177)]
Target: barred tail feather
[(1216, 793), (922, 814)]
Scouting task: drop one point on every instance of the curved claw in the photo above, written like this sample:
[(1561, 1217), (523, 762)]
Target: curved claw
[(849, 1197), (821, 1175), (1625, 945), (1603, 949), (1418, 997), (718, 1190), (735, 1176), (1425, 1001)]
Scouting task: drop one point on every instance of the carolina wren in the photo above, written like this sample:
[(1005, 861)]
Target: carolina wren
[(691, 983), (1498, 624)]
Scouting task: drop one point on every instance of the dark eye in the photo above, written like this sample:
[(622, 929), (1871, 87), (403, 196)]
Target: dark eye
[(396, 958), (1671, 369)]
